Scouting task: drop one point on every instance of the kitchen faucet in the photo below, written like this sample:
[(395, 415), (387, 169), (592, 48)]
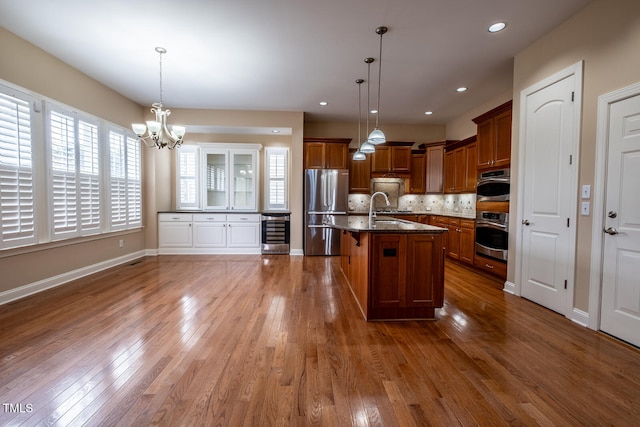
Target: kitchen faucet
[(371, 203)]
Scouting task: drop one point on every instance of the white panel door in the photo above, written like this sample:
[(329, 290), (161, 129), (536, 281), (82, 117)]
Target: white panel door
[(548, 195), (620, 310)]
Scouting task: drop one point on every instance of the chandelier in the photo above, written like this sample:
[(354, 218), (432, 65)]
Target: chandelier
[(158, 133)]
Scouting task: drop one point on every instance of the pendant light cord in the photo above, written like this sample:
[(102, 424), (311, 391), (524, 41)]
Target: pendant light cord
[(161, 77), (379, 78)]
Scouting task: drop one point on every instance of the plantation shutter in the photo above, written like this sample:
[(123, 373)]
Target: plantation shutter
[(75, 175), (125, 181), (277, 174), (17, 201), (187, 173)]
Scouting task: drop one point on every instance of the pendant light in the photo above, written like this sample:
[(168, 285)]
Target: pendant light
[(377, 136), (359, 155), (366, 146)]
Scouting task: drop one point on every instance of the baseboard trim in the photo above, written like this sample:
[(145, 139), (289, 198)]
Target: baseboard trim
[(580, 317), (61, 279), (509, 287), (297, 252)]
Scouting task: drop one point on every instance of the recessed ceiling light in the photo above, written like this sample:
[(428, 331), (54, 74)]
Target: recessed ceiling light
[(428, 113), (323, 103), (498, 26), (461, 89)]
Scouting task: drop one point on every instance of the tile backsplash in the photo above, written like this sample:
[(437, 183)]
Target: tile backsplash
[(454, 204)]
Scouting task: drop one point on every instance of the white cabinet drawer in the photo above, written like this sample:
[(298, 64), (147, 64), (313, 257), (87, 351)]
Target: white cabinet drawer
[(213, 217), (175, 217), (243, 218)]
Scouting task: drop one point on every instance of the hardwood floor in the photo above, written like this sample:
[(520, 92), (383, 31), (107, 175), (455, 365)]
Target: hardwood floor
[(277, 340)]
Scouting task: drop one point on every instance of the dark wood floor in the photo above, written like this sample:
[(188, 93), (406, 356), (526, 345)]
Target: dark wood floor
[(278, 340)]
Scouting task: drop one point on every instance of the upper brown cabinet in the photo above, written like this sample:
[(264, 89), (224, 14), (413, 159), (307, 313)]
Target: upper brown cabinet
[(494, 137), (434, 161), (359, 174), (391, 158), (418, 179), (326, 153), (460, 166)]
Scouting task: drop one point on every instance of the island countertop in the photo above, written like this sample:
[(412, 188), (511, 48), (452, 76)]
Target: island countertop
[(380, 224)]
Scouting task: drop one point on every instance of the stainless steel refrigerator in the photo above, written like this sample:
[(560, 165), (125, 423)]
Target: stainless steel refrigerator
[(325, 193)]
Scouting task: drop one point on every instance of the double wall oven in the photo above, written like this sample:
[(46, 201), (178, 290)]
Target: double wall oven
[(492, 219)]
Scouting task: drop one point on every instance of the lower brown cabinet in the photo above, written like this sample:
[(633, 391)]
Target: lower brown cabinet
[(407, 271)]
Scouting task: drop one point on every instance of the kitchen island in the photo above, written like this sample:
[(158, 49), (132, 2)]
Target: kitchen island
[(394, 267)]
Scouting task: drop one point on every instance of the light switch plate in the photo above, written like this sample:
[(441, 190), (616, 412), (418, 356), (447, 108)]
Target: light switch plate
[(586, 191), (585, 208)]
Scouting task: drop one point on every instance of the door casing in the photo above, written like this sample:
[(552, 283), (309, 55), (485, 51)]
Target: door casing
[(597, 236)]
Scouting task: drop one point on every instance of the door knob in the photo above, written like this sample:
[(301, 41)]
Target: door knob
[(611, 231), (526, 222), (612, 214)]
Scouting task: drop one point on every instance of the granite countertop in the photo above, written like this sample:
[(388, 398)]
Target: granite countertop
[(464, 215), (380, 224)]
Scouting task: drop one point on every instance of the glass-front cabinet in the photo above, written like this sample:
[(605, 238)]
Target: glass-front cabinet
[(230, 179)]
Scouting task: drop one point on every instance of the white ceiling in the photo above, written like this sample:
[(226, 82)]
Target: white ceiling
[(288, 55)]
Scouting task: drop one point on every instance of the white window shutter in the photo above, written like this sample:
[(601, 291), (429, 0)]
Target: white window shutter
[(187, 175), (17, 216)]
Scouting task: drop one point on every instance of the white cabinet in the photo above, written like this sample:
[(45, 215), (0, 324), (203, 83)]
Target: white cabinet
[(230, 178), (208, 233), (243, 231), (175, 230)]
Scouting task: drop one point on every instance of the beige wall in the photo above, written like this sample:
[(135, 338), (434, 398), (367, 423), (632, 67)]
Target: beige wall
[(394, 132), (464, 127), (606, 35)]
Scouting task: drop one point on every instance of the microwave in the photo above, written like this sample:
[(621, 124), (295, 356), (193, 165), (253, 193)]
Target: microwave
[(493, 186)]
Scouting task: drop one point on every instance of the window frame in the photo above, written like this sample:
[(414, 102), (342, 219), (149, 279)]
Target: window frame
[(40, 109), (270, 152)]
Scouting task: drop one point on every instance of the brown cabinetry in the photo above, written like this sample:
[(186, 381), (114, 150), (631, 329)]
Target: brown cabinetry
[(326, 153), (359, 174), (418, 179), (391, 158), (491, 266), (407, 272), (435, 168), (494, 137), (459, 242), (460, 167)]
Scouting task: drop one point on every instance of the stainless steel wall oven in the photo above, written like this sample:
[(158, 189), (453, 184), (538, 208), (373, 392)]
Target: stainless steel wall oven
[(493, 186), (492, 235)]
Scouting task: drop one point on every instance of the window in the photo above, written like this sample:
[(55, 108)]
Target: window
[(187, 175), (125, 181), (17, 199), (74, 185), (277, 177), (87, 170)]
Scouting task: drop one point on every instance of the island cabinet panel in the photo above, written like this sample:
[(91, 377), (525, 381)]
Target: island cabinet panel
[(406, 276), (389, 272), (424, 271), (354, 262)]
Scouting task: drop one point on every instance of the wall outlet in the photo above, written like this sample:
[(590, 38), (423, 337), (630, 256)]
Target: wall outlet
[(121, 243), (585, 209), (586, 191)]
